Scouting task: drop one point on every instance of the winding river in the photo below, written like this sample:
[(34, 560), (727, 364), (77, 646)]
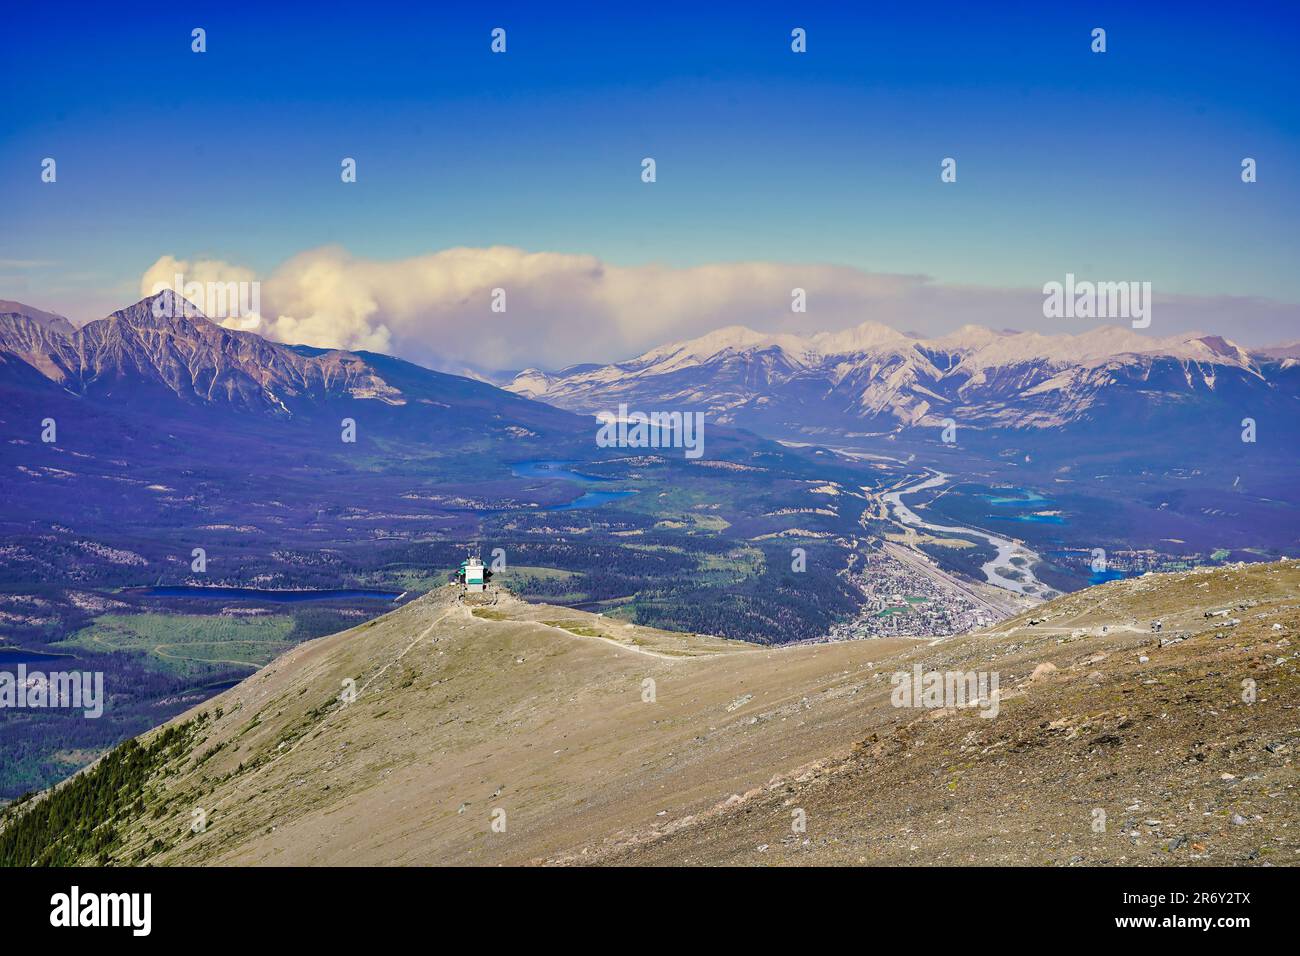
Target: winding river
[(998, 570)]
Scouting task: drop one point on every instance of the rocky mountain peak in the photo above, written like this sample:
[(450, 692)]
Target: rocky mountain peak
[(165, 341), (49, 321)]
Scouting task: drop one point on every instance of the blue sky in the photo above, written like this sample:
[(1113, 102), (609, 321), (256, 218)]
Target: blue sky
[(1124, 165)]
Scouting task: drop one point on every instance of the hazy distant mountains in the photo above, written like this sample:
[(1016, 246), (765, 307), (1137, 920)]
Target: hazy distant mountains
[(875, 378), (162, 355)]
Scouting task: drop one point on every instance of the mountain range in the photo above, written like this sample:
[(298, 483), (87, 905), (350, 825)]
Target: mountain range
[(870, 378), (876, 378), (164, 357)]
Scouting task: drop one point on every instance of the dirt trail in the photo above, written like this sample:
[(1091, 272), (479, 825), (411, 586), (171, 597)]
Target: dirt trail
[(457, 716), (490, 741)]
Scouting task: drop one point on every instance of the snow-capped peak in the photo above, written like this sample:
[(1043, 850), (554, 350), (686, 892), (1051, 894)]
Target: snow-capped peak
[(732, 339), (877, 368), (530, 383), (968, 338), (867, 337), (801, 350)]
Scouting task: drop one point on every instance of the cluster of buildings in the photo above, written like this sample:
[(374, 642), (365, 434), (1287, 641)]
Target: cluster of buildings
[(904, 601)]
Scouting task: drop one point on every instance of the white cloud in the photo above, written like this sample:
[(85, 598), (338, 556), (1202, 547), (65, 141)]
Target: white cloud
[(563, 309)]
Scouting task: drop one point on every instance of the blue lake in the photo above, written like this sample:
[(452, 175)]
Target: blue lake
[(267, 595), (222, 685), (561, 470), (591, 499), (12, 657), (1024, 497)]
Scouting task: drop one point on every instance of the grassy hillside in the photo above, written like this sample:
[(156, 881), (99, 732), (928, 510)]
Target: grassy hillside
[(190, 643), (1114, 745), (526, 733)]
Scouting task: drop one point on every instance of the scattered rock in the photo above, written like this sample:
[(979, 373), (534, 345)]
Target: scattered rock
[(1042, 670)]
